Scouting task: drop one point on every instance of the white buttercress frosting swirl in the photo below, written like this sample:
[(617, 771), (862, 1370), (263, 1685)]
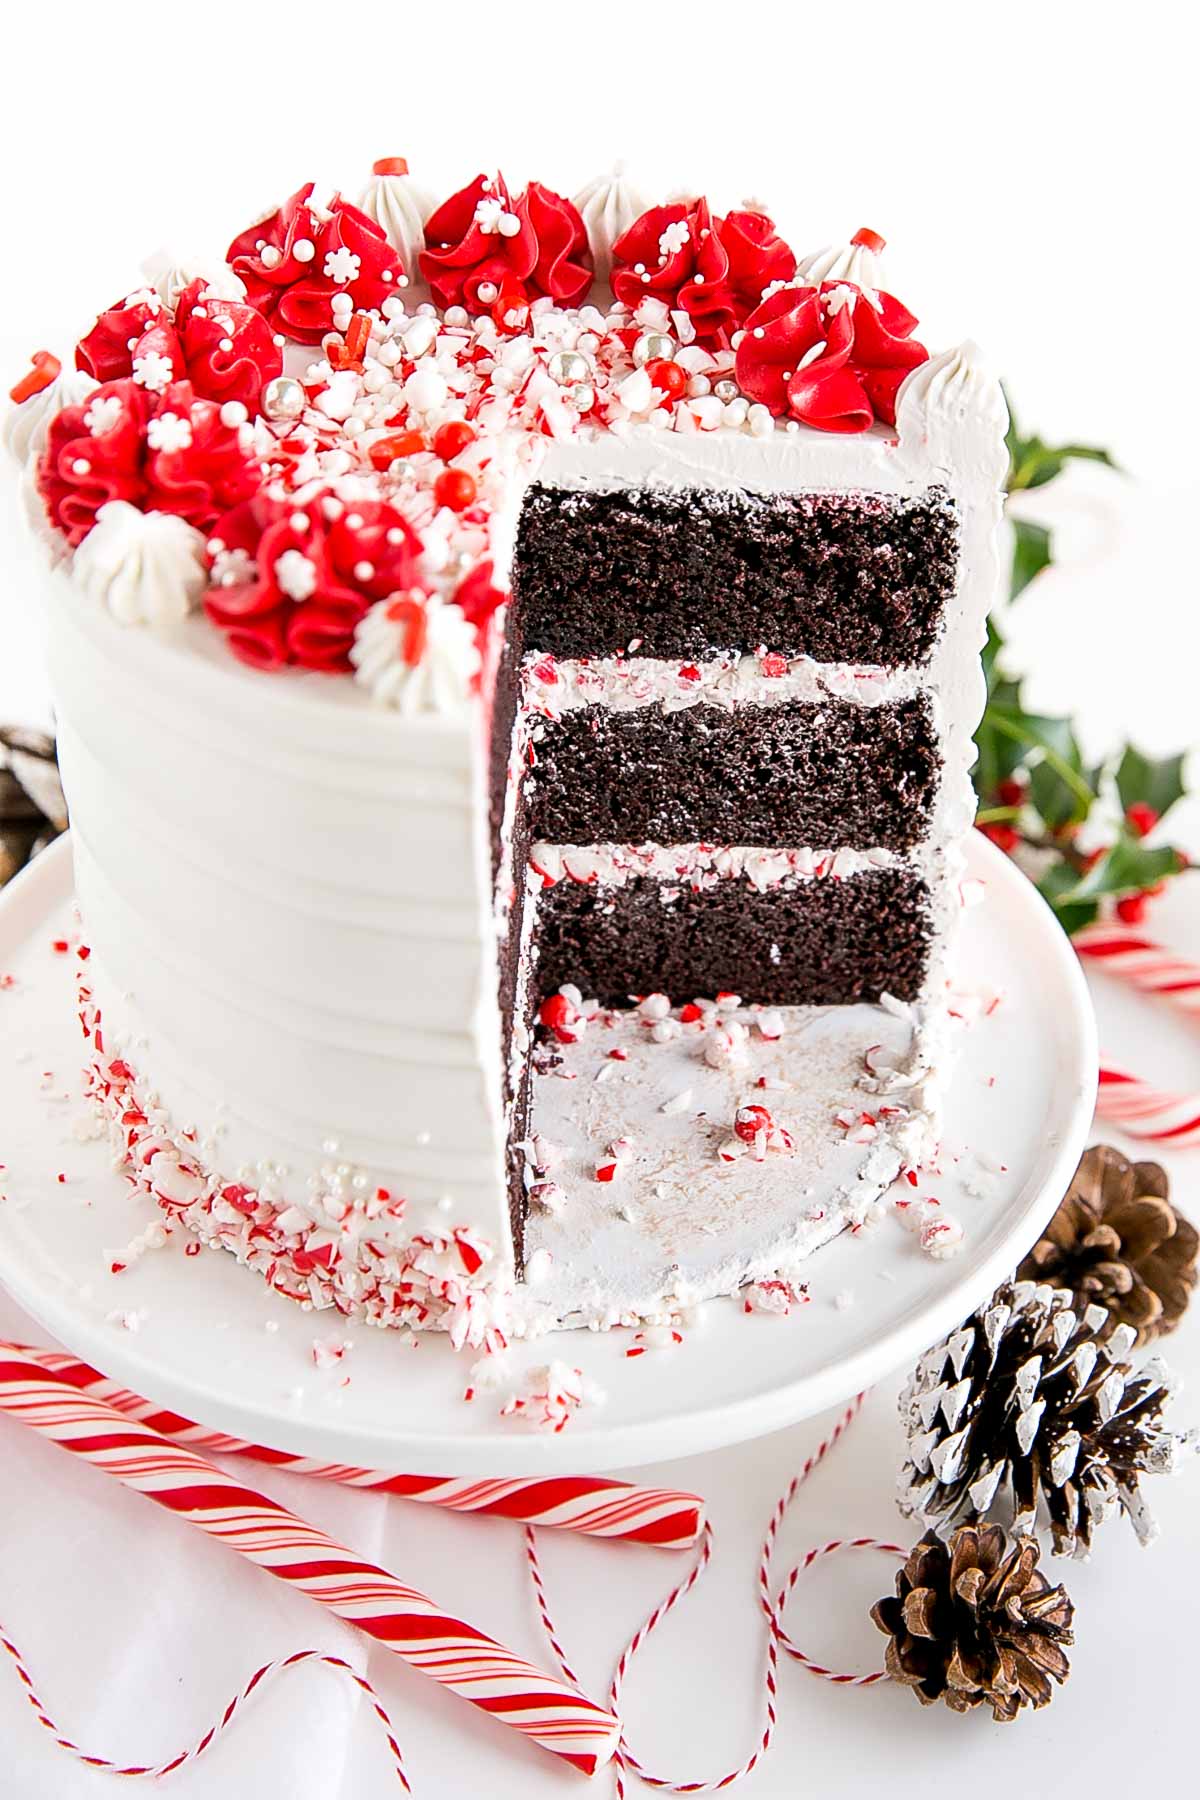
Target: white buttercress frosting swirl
[(25, 426), (859, 263), (170, 274), (400, 207), (954, 399), (608, 206), (441, 682), (146, 568)]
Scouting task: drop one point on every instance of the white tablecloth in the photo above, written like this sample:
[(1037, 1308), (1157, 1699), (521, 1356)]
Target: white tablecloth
[(137, 1630)]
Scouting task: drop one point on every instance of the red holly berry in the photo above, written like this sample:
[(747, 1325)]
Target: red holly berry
[(385, 450), (1141, 818), (1003, 836), (1011, 793), (46, 368), (456, 489), (749, 1121), (668, 377), (452, 438), (1132, 909)]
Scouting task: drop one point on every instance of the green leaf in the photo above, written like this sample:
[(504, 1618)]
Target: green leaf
[(1031, 554), (1058, 787), (1033, 462), (1128, 868), (1158, 784), (1056, 885), (998, 754)]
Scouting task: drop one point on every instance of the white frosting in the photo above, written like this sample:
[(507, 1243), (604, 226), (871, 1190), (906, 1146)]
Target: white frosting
[(400, 207), (170, 274), (442, 681), (842, 262), (954, 404), (624, 683), (703, 865), (608, 206), (25, 426), (288, 898), (146, 568)]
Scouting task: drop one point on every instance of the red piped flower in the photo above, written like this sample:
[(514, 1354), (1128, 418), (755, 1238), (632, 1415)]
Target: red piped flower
[(827, 356), (478, 595), (713, 269), (198, 469), (314, 578), (522, 249), (225, 348), (293, 263)]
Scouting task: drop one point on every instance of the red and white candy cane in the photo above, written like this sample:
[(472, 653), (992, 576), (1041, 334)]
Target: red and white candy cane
[(1143, 1111), (1124, 952), (450, 1651), (665, 1517), (773, 1605)]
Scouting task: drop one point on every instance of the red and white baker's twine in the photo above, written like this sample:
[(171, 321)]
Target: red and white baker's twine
[(1141, 1110), (452, 1652), (772, 1603)]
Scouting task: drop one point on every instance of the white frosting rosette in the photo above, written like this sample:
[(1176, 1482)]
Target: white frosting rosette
[(399, 206), (169, 274), (608, 206), (861, 263), (146, 568), (440, 680)]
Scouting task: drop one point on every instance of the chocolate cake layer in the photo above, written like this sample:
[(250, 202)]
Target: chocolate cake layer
[(819, 943), (691, 572), (790, 774)]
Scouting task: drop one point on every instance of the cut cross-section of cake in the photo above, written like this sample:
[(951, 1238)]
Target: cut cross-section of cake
[(664, 608)]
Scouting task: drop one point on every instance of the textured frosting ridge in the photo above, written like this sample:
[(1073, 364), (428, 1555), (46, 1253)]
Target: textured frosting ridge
[(439, 678), (169, 275), (146, 568), (952, 399), (399, 206), (608, 206)]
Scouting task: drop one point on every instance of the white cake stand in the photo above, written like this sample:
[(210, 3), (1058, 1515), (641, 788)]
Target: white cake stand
[(207, 1338)]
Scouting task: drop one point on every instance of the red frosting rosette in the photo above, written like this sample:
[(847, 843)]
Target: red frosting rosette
[(293, 263), (524, 249), (314, 577), (165, 452), (830, 356), (713, 269), (225, 348)]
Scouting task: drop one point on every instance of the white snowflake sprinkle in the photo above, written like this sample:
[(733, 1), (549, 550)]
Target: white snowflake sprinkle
[(341, 265), (674, 238), (296, 574), (153, 371), (169, 432), (103, 415)]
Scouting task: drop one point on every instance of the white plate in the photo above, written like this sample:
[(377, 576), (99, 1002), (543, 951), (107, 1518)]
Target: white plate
[(213, 1342)]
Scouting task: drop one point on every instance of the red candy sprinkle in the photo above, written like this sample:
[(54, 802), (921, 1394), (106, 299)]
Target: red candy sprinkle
[(390, 165), (774, 665), (668, 377), (866, 239), (689, 1014), (410, 613), (452, 438), (385, 450), (46, 369), (556, 1012), (749, 1121), (456, 489)]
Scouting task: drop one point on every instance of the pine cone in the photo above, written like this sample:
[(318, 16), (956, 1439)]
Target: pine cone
[(976, 1621), (1118, 1242), (32, 808), (1032, 1397)]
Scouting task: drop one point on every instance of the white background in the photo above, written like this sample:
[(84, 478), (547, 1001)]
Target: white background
[(1033, 170)]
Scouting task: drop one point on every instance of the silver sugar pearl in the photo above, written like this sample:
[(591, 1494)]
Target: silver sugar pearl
[(653, 346), (582, 396), (725, 389), (567, 367), (283, 398)]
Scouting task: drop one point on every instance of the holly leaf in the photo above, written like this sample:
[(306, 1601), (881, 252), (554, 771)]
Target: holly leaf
[(999, 752), (1129, 867), (1031, 554), (1157, 784), (1058, 786), (1033, 462), (1056, 885)]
